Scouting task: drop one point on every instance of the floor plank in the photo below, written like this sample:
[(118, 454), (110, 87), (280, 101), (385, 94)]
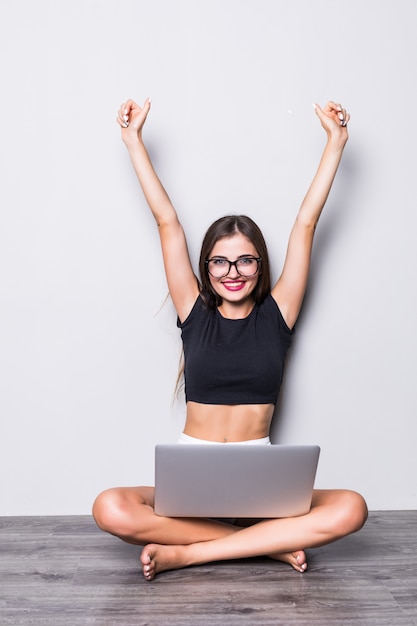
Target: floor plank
[(63, 571)]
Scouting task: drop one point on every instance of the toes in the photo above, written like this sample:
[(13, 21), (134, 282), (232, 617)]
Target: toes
[(148, 566), (148, 572), (301, 562)]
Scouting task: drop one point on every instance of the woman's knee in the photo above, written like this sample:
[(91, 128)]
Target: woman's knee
[(105, 509), (124, 511), (352, 513), (112, 511)]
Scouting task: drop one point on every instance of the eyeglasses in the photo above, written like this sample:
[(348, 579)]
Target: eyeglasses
[(245, 266)]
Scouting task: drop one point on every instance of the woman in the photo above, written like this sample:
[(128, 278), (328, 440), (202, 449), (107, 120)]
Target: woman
[(231, 403)]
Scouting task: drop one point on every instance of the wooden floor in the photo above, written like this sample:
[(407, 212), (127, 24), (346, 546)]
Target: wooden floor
[(63, 571)]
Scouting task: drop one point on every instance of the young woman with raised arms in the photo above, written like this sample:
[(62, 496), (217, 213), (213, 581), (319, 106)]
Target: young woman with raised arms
[(236, 330)]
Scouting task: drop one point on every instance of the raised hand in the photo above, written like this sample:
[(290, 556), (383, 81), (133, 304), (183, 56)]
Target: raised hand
[(334, 119), (131, 117)]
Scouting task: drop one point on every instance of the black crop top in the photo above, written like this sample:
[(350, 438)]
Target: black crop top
[(231, 361)]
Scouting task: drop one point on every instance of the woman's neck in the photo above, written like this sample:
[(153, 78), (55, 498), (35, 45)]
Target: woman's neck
[(236, 310)]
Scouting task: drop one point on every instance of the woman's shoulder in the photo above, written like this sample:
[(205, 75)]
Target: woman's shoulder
[(197, 309), (270, 308)]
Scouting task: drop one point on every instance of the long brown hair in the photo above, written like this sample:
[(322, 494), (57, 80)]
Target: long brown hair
[(228, 226)]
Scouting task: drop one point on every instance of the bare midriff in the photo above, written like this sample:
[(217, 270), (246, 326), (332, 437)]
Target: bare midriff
[(225, 423)]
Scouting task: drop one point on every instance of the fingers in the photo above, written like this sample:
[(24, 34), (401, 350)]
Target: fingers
[(146, 107), (129, 110), (335, 111), (321, 114), (342, 115), (340, 112), (123, 113), (346, 119)]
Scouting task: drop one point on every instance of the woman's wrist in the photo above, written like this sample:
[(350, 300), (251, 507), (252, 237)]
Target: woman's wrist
[(133, 142), (337, 139)]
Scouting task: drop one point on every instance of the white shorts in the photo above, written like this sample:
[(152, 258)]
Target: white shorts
[(264, 441)]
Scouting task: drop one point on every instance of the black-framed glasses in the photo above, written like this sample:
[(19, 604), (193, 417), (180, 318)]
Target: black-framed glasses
[(248, 266)]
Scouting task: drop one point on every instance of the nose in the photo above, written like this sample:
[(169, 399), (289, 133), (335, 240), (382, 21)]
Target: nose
[(234, 273)]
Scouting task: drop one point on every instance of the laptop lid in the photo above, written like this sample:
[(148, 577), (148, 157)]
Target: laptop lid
[(218, 480)]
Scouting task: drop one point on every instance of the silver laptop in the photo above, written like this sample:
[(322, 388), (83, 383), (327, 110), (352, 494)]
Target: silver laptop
[(217, 480)]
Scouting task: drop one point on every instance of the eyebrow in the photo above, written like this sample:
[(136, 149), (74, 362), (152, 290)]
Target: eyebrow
[(242, 256)]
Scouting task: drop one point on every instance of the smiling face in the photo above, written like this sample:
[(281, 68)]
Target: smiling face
[(234, 288), (220, 234)]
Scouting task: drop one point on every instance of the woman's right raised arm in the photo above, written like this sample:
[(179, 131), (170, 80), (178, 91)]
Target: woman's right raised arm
[(182, 282)]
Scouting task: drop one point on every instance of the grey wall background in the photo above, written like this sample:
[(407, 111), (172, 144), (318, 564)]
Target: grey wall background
[(89, 350)]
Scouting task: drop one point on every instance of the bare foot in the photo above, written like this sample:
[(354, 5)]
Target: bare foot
[(157, 558), (296, 559)]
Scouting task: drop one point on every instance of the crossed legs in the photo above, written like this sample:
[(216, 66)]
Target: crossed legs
[(172, 543)]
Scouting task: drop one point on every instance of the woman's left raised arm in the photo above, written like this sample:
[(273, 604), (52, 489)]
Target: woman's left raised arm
[(290, 288)]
